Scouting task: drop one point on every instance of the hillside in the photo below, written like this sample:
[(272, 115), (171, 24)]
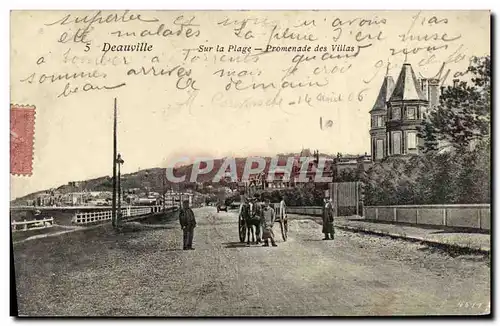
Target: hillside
[(152, 179)]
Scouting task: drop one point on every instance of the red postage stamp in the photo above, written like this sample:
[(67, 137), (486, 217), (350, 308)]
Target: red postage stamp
[(22, 132)]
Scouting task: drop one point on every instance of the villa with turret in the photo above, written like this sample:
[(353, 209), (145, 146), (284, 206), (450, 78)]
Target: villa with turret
[(398, 111)]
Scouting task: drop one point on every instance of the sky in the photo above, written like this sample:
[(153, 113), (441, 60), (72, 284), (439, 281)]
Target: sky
[(205, 104)]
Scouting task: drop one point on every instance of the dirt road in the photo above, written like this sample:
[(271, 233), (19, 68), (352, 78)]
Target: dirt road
[(144, 273)]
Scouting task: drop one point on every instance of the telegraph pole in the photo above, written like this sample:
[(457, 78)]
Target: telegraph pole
[(113, 207)]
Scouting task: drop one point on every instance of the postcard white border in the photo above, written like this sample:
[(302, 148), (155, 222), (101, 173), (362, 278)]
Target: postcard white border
[(188, 5)]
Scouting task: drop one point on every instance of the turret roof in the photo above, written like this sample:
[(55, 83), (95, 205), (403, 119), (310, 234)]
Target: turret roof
[(384, 94), (407, 86)]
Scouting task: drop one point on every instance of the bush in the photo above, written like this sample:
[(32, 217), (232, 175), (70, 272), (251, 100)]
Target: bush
[(306, 195), (459, 177)]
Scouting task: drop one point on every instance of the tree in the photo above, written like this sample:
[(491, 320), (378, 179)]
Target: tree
[(431, 178), (474, 177), (464, 112), (437, 181)]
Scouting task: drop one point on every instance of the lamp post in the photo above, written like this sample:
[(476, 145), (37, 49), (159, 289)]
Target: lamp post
[(179, 194), (164, 188), (113, 208), (119, 162)]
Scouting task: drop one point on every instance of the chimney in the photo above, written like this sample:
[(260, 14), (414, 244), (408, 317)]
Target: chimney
[(425, 88), (455, 82), (433, 92)]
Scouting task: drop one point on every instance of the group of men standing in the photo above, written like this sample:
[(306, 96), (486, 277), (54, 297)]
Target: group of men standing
[(265, 213), (267, 219)]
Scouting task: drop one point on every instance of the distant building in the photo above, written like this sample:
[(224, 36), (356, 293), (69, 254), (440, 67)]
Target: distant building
[(44, 199), (146, 201), (351, 162), (93, 194), (133, 190), (311, 171), (280, 178), (153, 195), (398, 112), (174, 198)]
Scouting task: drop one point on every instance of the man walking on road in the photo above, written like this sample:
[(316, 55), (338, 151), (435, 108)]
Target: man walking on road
[(188, 223), (282, 208), (328, 220), (268, 216)]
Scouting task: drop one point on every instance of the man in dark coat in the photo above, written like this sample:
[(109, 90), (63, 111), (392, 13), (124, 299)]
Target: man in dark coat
[(188, 223), (328, 220)]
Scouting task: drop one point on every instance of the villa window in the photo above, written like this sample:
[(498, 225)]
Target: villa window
[(423, 112), (396, 142), (411, 141), (396, 113), (374, 148), (411, 113), (379, 149), (380, 121)]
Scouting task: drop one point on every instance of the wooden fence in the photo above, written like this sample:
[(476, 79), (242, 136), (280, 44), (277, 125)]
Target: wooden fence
[(345, 198), (32, 225), (305, 210)]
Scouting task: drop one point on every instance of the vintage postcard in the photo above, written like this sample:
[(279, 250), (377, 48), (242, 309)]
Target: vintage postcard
[(250, 163)]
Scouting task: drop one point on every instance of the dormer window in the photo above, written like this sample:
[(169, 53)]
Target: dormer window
[(411, 113), (423, 112), (378, 121), (396, 113)]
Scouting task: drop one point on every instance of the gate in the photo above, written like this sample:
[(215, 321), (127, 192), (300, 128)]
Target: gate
[(345, 198)]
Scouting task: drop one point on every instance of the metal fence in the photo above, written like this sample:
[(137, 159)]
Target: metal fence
[(127, 213)]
